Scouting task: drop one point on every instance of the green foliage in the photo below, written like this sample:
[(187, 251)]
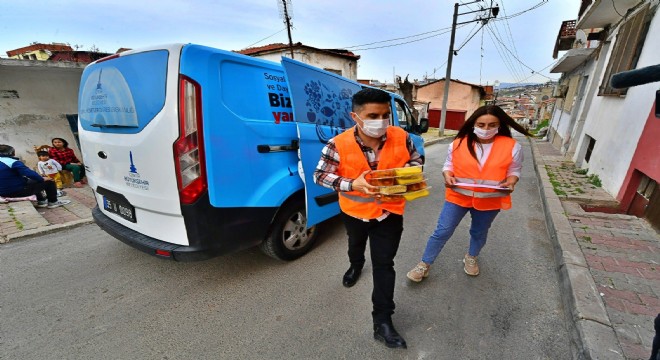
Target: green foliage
[(19, 225), (594, 180), (556, 185), (540, 126), (581, 171)]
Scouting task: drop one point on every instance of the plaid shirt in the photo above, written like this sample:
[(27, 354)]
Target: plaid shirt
[(326, 170), (64, 156)]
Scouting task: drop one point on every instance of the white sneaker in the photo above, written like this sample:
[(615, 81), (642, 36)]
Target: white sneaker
[(60, 193), (58, 203)]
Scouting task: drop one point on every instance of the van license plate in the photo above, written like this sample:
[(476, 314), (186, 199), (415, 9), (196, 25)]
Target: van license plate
[(126, 211)]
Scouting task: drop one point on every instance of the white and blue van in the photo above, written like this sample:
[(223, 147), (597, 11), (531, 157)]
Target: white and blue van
[(193, 152)]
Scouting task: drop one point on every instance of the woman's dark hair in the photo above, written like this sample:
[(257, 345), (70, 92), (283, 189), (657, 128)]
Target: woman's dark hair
[(66, 143), (506, 123)]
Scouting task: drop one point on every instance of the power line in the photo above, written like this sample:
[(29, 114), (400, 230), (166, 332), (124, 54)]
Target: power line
[(469, 38), (481, 61), (522, 12), (442, 30), (515, 57), (401, 43), (537, 73), (268, 37), (516, 67), (508, 28), (506, 60), (400, 38)]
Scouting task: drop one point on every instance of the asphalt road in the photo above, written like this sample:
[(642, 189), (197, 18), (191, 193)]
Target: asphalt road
[(81, 294)]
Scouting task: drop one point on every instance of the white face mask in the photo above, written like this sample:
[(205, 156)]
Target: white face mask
[(374, 128), (485, 134)]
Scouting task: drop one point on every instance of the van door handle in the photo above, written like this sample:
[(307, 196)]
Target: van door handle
[(278, 148)]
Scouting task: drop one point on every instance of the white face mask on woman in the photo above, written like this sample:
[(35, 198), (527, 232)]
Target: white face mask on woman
[(374, 128), (485, 134)]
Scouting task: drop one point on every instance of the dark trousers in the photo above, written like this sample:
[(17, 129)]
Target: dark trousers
[(36, 188), (384, 237)]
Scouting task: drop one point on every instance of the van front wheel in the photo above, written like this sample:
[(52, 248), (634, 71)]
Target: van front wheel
[(289, 237)]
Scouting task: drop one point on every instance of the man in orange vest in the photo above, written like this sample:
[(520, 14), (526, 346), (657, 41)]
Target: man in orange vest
[(370, 145)]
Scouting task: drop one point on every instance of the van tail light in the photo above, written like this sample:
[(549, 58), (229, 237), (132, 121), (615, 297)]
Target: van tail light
[(189, 147)]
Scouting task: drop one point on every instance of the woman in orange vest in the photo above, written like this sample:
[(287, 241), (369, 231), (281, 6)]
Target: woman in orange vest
[(482, 156)]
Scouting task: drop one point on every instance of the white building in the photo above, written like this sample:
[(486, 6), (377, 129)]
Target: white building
[(611, 132), (338, 61)]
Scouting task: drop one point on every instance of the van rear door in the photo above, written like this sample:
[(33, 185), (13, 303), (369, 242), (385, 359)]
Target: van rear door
[(128, 125), (321, 108)]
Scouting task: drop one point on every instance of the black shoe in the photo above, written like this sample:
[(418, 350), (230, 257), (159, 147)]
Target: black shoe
[(386, 333), (351, 277)]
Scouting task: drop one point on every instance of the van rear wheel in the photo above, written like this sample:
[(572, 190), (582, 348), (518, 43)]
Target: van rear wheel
[(289, 237)]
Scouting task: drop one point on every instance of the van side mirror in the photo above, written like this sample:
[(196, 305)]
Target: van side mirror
[(423, 125)]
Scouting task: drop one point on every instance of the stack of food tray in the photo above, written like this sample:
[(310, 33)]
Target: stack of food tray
[(394, 184)]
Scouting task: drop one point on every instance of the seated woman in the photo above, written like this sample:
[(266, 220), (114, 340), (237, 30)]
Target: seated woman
[(61, 153)]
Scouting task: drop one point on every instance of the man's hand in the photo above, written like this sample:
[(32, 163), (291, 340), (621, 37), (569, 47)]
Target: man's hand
[(360, 184), (450, 180)]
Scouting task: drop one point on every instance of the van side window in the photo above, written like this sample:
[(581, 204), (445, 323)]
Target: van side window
[(404, 115)]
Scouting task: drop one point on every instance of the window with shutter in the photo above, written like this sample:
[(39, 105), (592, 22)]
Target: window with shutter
[(628, 46)]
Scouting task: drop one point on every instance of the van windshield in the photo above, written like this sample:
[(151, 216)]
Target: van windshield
[(123, 95)]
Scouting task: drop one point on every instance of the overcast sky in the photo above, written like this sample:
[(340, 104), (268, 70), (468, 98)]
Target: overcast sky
[(347, 24)]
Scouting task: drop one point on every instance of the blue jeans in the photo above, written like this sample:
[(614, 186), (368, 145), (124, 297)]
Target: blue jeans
[(450, 216)]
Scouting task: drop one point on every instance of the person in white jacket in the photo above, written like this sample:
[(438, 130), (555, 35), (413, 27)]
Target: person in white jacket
[(49, 167)]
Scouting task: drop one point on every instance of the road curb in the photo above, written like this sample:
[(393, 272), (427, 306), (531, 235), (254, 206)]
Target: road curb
[(592, 334), (47, 229), (438, 140)]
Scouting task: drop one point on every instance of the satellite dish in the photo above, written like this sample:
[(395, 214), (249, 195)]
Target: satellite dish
[(496, 83)]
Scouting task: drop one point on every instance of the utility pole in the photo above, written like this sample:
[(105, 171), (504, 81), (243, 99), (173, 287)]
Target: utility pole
[(450, 57), (284, 12), (493, 11)]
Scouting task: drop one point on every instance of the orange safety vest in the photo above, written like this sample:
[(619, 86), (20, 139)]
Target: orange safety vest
[(466, 170), (352, 163)]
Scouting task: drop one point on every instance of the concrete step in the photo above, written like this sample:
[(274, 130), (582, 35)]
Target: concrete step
[(22, 218)]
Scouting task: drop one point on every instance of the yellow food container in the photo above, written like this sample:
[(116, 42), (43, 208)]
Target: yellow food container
[(395, 189), (416, 194), (412, 195), (409, 179), (410, 170)]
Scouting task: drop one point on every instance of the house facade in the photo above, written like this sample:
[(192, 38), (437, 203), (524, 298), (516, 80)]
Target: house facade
[(464, 99), (338, 61), (37, 51), (608, 131)]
